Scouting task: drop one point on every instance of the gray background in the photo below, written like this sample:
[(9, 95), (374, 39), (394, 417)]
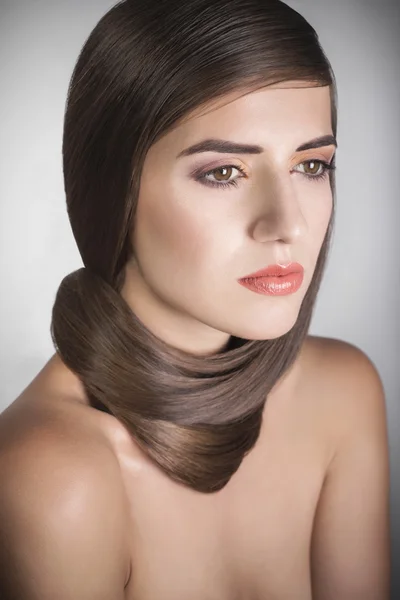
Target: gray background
[(360, 295)]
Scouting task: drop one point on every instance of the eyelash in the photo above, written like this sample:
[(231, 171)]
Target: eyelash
[(202, 178)]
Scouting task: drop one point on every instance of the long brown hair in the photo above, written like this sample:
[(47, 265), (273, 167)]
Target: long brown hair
[(145, 66)]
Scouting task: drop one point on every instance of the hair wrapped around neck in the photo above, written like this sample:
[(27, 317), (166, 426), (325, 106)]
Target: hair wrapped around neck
[(144, 67)]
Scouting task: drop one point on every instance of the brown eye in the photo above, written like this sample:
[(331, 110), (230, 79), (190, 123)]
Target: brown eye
[(314, 167), (316, 170), (224, 171), (220, 177)]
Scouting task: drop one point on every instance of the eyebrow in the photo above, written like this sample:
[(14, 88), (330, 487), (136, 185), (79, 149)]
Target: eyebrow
[(225, 146)]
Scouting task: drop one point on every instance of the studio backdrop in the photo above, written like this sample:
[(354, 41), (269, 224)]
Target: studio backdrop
[(359, 300)]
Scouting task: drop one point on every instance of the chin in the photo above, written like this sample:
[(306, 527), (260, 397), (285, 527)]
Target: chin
[(259, 330)]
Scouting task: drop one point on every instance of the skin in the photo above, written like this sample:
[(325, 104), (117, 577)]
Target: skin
[(192, 242), (306, 515)]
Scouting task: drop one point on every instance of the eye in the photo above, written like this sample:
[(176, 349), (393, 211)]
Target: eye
[(319, 171), (322, 170), (222, 176)]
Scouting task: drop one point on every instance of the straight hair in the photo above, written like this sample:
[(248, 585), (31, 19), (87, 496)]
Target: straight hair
[(142, 70)]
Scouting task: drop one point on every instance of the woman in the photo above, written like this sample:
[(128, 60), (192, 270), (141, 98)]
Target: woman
[(189, 439)]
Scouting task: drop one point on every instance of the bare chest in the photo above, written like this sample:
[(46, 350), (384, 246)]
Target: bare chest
[(250, 541)]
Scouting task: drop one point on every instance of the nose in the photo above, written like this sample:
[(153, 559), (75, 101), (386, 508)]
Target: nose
[(279, 216)]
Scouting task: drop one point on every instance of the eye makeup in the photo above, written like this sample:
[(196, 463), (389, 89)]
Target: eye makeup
[(202, 177)]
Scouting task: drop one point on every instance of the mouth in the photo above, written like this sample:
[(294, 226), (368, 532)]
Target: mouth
[(275, 280), (276, 271)]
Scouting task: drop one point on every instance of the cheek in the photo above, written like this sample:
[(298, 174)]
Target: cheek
[(171, 237), (318, 217), (318, 210)]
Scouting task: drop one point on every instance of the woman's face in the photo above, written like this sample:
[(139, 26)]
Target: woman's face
[(193, 240)]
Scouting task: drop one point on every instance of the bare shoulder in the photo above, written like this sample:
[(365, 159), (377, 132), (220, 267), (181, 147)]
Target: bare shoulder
[(351, 537), (349, 376), (335, 353), (61, 493), (335, 390)]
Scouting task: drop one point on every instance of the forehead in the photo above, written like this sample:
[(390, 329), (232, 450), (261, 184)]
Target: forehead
[(279, 116), (278, 101)]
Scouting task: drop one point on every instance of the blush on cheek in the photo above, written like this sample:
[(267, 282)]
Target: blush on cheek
[(318, 209), (170, 239)]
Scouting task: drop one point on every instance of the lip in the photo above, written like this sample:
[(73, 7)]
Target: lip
[(276, 271), (275, 280)]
